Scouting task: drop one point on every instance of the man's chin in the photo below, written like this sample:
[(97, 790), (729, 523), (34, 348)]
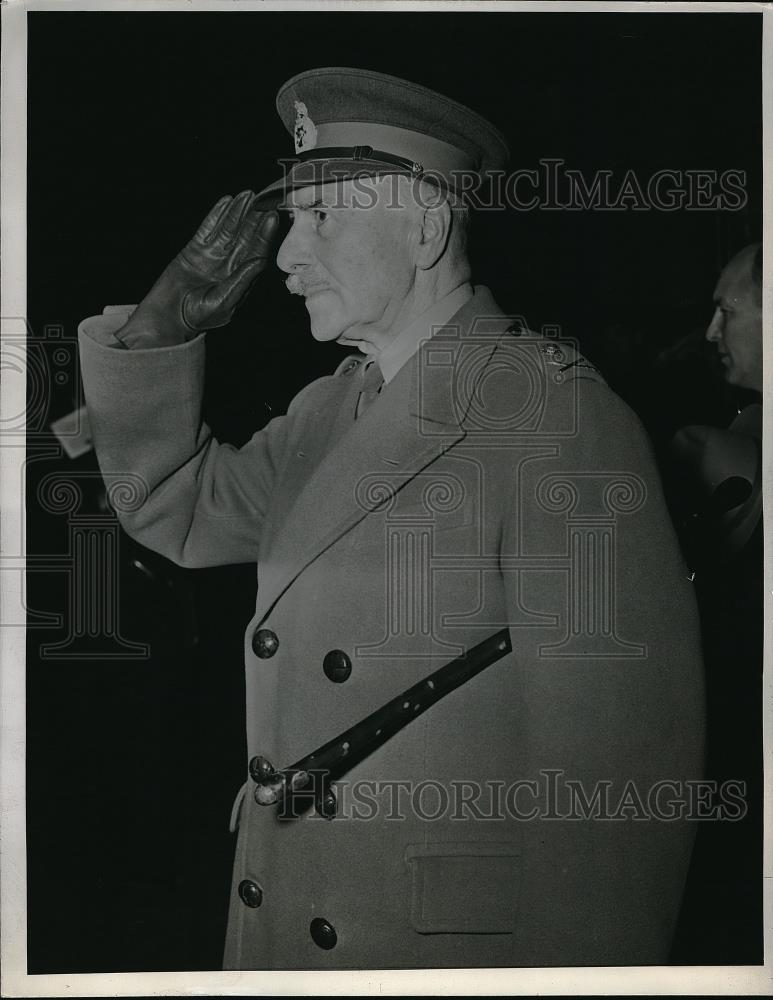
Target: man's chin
[(331, 328), (729, 372), (325, 331), (323, 334), (323, 328)]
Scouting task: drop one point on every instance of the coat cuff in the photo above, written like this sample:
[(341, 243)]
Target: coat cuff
[(102, 329)]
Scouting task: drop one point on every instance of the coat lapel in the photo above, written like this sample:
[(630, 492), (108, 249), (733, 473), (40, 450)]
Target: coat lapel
[(417, 417)]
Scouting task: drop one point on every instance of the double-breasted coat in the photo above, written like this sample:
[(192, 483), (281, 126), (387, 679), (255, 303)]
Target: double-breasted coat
[(496, 482)]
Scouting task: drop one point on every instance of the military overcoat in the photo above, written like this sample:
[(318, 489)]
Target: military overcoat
[(496, 482)]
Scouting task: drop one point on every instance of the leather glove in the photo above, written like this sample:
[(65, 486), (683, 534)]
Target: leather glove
[(206, 281)]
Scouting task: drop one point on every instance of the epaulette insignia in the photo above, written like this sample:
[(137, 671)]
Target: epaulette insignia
[(589, 370), (581, 362), (553, 354)]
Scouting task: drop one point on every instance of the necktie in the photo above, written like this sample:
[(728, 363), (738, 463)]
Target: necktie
[(372, 381)]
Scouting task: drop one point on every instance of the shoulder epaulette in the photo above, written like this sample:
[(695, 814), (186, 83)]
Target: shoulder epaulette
[(563, 357)]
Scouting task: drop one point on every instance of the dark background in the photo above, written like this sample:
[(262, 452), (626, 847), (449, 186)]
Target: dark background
[(137, 124)]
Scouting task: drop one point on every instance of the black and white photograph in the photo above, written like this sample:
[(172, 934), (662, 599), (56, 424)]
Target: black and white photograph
[(382, 565)]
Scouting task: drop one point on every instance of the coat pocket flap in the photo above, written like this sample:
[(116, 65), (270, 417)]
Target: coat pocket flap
[(464, 888)]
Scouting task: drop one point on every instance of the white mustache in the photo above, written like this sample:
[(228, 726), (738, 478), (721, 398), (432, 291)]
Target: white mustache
[(296, 285)]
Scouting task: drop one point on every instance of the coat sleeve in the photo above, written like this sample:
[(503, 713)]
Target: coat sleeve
[(176, 489), (607, 889)]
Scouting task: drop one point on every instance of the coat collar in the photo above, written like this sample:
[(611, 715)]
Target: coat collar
[(417, 417)]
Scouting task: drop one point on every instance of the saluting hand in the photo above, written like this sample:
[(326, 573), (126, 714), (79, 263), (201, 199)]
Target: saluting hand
[(206, 281)]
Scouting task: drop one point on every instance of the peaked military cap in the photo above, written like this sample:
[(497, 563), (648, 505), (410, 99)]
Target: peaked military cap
[(350, 123)]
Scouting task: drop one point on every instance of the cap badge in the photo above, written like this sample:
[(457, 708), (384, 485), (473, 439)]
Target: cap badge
[(305, 130)]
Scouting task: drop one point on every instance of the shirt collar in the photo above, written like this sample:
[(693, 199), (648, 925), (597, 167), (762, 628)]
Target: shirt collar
[(407, 342)]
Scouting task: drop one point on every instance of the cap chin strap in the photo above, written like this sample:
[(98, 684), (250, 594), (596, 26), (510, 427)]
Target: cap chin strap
[(357, 153)]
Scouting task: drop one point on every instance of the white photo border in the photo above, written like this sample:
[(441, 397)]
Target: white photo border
[(663, 980)]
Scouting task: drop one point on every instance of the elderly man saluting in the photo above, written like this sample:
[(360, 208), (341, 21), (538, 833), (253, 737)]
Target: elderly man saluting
[(473, 681)]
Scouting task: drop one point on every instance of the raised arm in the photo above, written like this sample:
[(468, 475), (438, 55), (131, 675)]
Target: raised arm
[(198, 502)]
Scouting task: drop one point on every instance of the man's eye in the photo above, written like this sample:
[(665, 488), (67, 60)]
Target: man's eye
[(320, 215)]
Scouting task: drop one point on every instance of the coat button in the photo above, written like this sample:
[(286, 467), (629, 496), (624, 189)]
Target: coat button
[(261, 770), (337, 666), (264, 643), (323, 933), (250, 893)]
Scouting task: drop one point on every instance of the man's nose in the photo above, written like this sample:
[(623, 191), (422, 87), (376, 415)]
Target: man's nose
[(714, 330), (293, 253)]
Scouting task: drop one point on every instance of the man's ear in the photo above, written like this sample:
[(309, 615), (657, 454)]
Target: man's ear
[(433, 236)]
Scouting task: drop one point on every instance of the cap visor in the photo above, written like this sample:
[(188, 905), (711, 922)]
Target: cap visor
[(311, 173)]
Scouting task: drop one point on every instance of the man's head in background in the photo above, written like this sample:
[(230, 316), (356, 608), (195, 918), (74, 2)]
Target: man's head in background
[(736, 326)]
